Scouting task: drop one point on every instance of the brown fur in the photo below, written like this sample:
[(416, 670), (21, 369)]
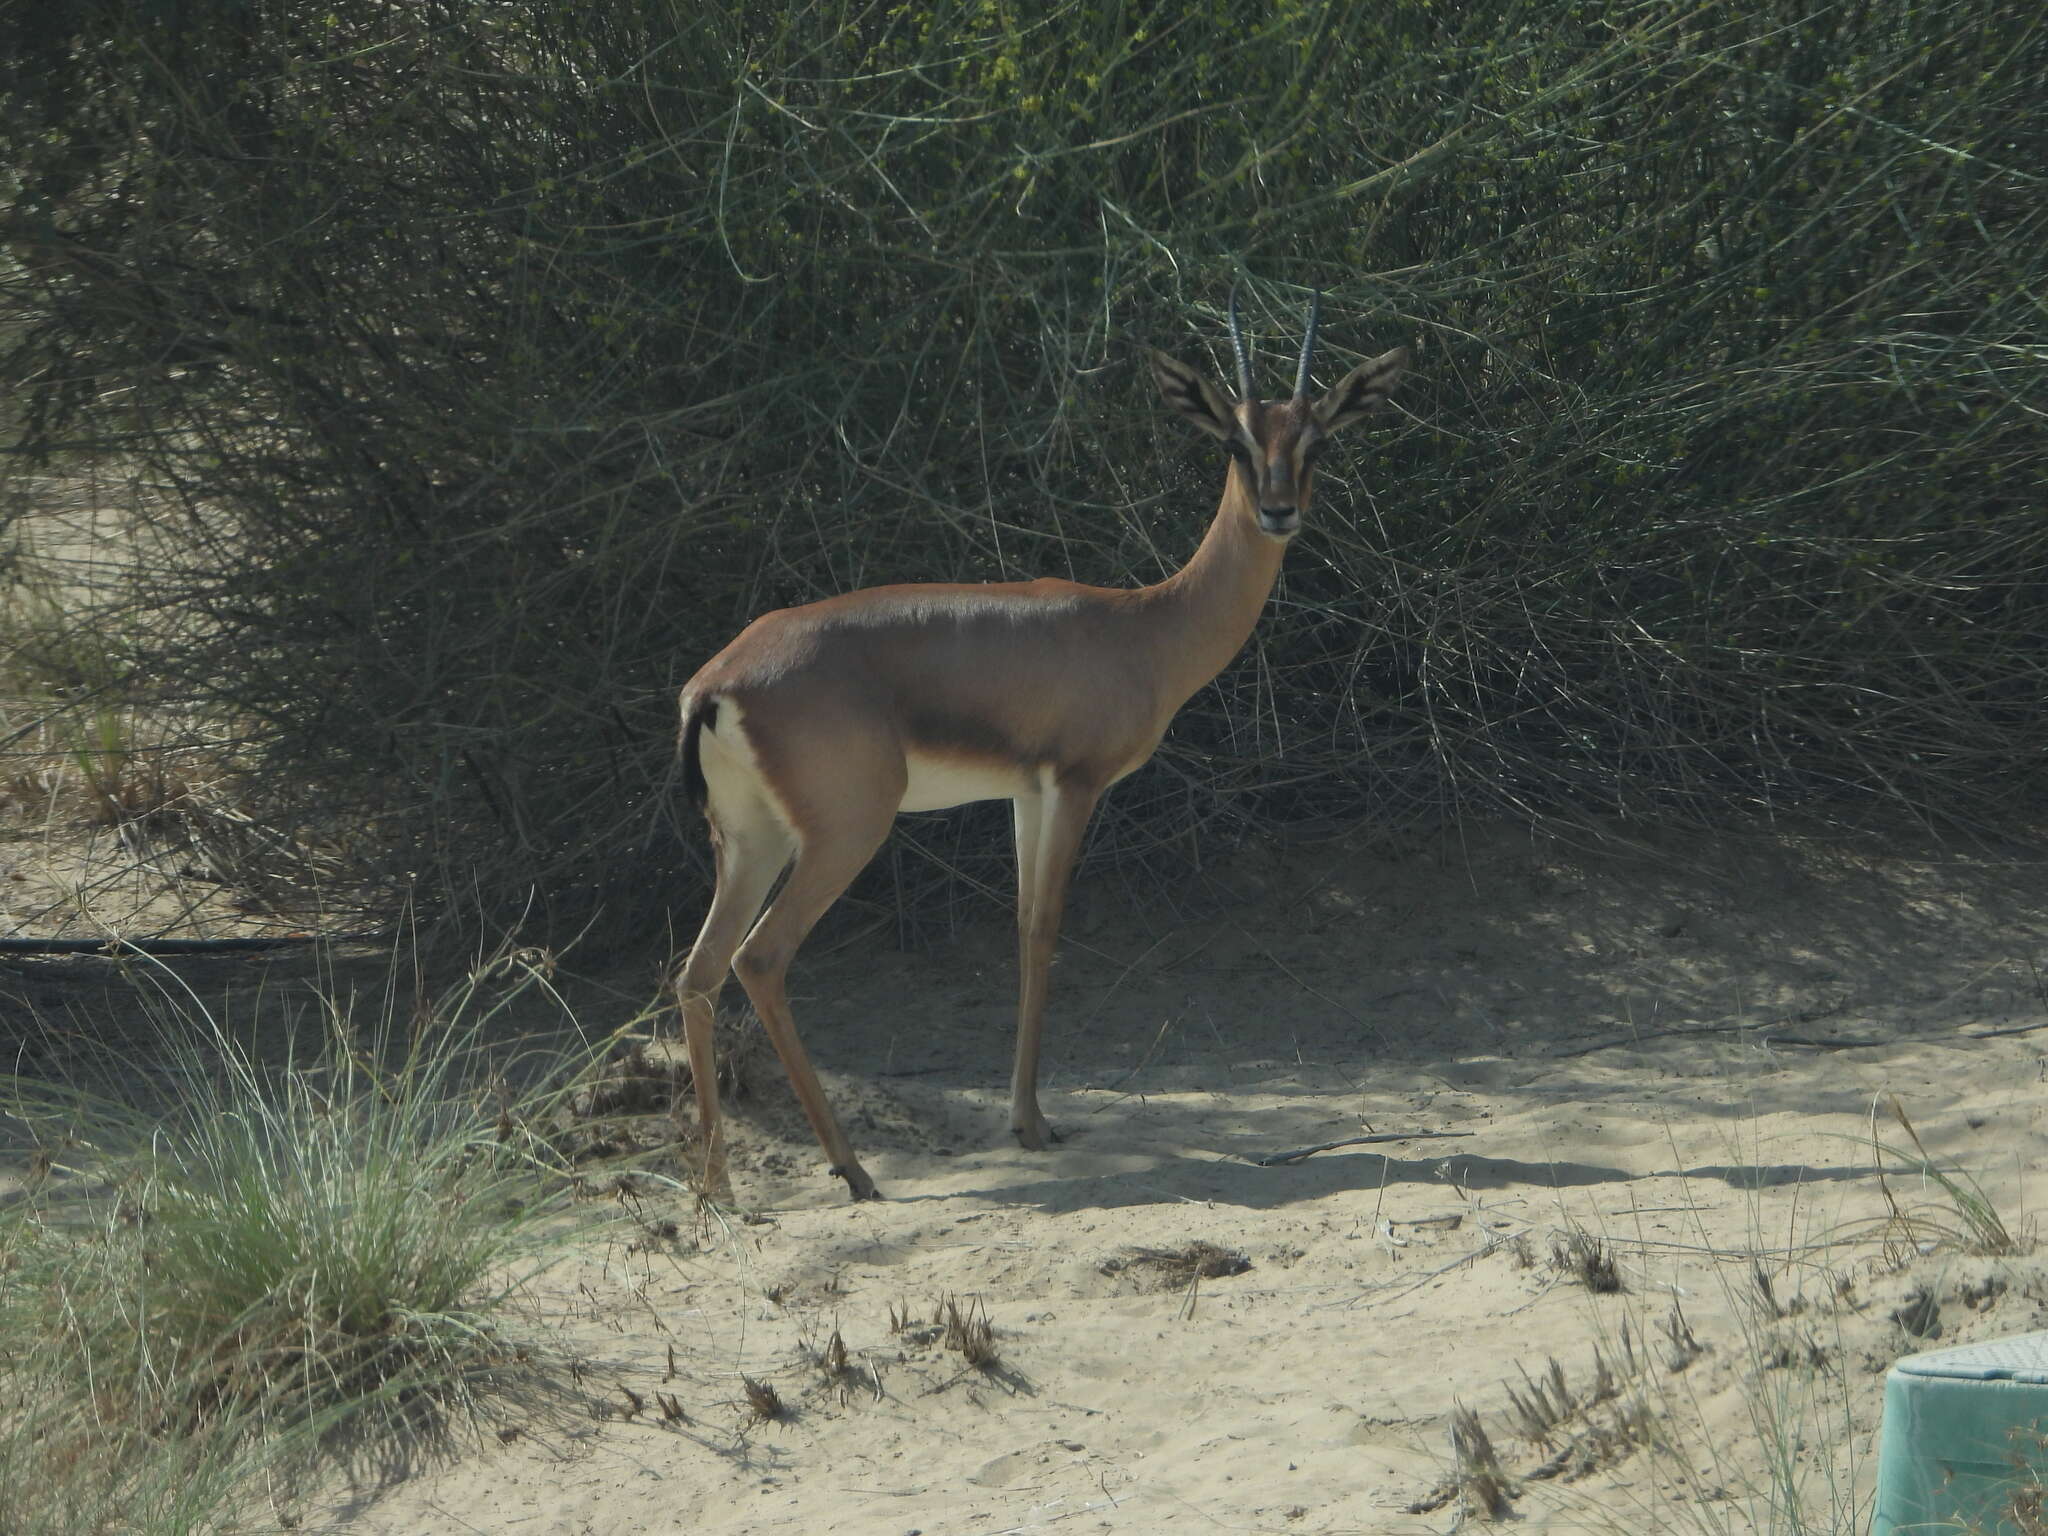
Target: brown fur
[(1042, 692), (1018, 677)]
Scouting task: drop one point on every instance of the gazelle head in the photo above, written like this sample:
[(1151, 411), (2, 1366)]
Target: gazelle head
[(1273, 443)]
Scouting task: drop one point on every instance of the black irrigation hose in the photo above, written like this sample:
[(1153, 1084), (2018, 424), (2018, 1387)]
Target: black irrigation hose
[(179, 946)]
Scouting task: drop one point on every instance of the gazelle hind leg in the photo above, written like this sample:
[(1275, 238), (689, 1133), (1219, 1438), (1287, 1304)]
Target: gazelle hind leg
[(1026, 1124), (826, 864), (750, 854), (1053, 828)]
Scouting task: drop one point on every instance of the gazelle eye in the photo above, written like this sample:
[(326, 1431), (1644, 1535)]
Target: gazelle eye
[(1238, 450), (1311, 448)]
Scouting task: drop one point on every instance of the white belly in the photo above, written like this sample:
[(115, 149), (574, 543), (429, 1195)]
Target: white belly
[(937, 782)]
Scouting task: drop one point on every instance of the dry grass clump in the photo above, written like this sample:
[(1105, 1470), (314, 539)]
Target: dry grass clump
[(1580, 1441), (964, 1330), (833, 1360), (1681, 1347), (650, 1074), (968, 1332), (1543, 1404), (1588, 1260), (1476, 1480), (1579, 1433), (1483, 1486), (639, 1103), (764, 1403), (1964, 1220), (1627, 1426), (1165, 1269)]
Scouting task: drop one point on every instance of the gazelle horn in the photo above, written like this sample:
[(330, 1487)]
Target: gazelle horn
[(1308, 344), (1244, 358)]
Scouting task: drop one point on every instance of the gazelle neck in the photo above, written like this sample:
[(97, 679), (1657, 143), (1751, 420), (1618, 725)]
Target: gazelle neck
[(1211, 604)]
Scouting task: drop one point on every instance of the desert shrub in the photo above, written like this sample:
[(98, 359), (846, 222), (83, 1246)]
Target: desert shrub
[(489, 365)]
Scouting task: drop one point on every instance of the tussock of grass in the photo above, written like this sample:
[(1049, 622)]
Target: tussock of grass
[(833, 1360), (1482, 1483), (1963, 1219), (277, 1257), (1587, 1260), (763, 1401), (1683, 1348), (967, 1332), (1544, 1403)]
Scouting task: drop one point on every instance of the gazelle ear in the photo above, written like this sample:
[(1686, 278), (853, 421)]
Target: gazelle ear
[(1192, 394), (1360, 390)]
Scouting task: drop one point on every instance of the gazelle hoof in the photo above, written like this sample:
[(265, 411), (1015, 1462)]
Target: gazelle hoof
[(1035, 1137), (858, 1185)]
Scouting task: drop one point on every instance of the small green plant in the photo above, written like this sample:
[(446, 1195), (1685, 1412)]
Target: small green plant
[(122, 781)]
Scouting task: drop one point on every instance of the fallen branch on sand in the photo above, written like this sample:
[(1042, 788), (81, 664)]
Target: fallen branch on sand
[(1299, 1153)]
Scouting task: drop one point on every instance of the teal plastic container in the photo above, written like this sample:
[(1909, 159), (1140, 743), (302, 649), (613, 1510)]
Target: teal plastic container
[(1963, 1443)]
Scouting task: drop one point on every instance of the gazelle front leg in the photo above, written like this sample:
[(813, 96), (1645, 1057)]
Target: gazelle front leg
[(1050, 825)]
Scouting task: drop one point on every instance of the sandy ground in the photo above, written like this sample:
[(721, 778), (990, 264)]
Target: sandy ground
[(1672, 1050)]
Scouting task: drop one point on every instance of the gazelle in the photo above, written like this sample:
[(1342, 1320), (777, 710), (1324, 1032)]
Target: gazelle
[(805, 737)]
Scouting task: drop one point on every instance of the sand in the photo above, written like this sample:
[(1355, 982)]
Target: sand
[(1674, 1054)]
